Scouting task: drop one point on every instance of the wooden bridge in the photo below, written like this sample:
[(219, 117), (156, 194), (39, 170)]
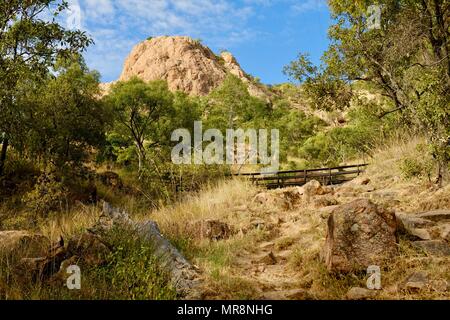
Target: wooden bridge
[(326, 176)]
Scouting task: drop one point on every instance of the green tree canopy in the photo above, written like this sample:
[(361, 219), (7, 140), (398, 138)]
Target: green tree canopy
[(64, 116), (406, 60), (231, 106), (146, 114), (29, 47)]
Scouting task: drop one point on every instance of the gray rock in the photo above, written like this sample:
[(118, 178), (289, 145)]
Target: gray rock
[(408, 221), (433, 247), (416, 282), (436, 215), (360, 294)]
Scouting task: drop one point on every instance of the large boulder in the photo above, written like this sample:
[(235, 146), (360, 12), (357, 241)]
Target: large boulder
[(360, 234), (274, 200), (185, 64), (314, 188), (290, 198)]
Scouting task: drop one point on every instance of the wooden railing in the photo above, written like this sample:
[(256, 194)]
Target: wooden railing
[(326, 176)]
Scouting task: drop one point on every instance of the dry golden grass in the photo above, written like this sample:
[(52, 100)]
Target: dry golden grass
[(216, 259), (71, 222), (384, 165), (214, 202)]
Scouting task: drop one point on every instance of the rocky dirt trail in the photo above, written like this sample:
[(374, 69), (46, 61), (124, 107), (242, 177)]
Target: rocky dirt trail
[(287, 227), (267, 265), (295, 219)]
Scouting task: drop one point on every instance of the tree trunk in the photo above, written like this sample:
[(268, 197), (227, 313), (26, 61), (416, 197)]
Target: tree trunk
[(141, 157), (5, 144), (139, 161), (440, 174)]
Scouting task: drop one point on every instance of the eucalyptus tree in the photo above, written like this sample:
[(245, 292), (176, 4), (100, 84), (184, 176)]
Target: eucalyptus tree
[(31, 41), (404, 58)]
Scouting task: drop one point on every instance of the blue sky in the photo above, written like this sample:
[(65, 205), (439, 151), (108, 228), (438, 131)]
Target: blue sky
[(264, 35)]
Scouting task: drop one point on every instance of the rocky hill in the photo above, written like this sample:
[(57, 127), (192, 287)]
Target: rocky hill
[(186, 65)]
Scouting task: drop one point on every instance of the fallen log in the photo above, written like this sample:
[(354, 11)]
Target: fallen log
[(184, 276)]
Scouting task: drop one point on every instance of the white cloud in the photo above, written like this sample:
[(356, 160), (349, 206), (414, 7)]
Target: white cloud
[(99, 9), (260, 2), (117, 25), (309, 5)]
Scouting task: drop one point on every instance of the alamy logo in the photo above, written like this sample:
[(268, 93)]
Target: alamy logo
[(249, 146), (374, 17), (374, 281), (74, 280)]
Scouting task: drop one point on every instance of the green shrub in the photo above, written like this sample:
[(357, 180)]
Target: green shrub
[(418, 166), (19, 166), (48, 194), (418, 163), (342, 144), (410, 168), (133, 271)]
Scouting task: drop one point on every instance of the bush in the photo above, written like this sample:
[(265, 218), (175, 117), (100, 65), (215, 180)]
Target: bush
[(410, 168), (336, 146), (18, 166), (48, 195), (133, 271), (341, 144), (418, 165)]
